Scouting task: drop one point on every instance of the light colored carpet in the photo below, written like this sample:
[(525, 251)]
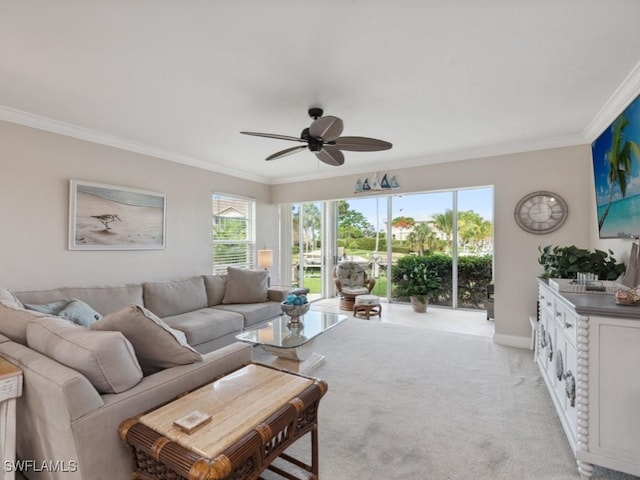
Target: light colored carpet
[(411, 403)]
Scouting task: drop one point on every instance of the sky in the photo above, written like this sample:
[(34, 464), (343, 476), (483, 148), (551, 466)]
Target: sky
[(421, 206)]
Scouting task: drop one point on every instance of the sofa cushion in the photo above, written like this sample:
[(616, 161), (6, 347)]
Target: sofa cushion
[(206, 324), (13, 322), (155, 344), (79, 312), (107, 359), (350, 274), (172, 298), (355, 290), (280, 294), (8, 298), (215, 286), (253, 313), (246, 286), (105, 299)]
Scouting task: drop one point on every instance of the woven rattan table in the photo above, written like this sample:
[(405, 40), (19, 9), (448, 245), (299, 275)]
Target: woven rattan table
[(256, 413)]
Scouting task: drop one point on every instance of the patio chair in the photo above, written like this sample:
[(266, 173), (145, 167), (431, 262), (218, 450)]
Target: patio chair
[(351, 280)]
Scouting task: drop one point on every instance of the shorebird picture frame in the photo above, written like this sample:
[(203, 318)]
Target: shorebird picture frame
[(109, 217)]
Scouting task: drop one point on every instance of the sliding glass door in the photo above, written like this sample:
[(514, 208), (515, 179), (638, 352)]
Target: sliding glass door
[(451, 230), (362, 237), (306, 253), (474, 246), (422, 225)]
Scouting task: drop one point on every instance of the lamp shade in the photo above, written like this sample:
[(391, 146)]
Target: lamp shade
[(265, 258)]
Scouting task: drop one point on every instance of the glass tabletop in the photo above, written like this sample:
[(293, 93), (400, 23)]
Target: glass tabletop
[(279, 332)]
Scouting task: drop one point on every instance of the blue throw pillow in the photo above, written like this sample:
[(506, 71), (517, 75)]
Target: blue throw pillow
[(52, 308), (79, 312)]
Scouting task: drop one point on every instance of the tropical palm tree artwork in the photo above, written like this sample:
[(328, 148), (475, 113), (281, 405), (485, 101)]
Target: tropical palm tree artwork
[(616, 157), (619, 158)]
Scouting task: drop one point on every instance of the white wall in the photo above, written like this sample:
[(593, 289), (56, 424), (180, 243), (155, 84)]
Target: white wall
[(35, 169), (565, 171), (36, 166)]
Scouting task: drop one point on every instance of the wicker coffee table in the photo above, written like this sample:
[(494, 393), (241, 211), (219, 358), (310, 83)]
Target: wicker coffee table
[(255, 413)]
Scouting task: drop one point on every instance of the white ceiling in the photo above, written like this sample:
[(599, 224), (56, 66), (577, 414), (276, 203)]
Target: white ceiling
[(441, 80)]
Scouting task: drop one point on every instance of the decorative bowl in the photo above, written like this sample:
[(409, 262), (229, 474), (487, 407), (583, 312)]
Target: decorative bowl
[(295, 311)]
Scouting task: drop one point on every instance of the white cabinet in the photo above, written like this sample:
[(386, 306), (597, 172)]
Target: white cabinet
[(557, 358), (588, 351)]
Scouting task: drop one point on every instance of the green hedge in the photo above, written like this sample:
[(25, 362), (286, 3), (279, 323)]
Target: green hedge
[(474, 274)]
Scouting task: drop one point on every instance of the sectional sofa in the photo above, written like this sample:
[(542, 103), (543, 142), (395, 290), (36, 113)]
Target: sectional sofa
[(149, 343)]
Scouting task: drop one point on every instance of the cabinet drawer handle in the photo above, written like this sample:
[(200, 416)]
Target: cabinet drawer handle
[(570, 387), (558, 314), (567, 325), (548, 304)]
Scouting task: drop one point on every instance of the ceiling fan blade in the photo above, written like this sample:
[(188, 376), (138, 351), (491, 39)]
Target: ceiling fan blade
[(284, 153), (361, 144), (331, 156), (328, 128), (274, 135)]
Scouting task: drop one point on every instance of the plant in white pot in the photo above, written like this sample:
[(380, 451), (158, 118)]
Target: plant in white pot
[(414, 279)]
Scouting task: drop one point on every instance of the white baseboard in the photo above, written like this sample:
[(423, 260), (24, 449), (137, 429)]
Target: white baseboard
[(512, 341)]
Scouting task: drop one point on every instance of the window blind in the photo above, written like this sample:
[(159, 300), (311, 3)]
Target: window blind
[(233, 232)]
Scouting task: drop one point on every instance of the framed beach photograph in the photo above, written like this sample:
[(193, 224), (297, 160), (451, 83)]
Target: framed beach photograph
[(108, 217)]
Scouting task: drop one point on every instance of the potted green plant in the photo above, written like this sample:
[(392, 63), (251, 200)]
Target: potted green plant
[(414, 279), (567, 262)]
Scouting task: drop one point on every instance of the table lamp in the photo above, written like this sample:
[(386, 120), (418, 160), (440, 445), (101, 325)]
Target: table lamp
[(265, 260)]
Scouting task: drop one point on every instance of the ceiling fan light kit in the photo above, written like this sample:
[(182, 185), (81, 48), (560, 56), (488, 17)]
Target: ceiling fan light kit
[(323, 138)]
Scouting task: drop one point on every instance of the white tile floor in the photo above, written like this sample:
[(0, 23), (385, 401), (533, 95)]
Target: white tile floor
[(471, 322)]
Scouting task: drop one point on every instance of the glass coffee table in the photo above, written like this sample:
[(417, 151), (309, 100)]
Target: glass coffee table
[(292, 342)]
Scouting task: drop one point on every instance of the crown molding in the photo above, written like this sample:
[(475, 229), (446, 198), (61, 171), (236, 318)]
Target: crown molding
[(621, 98), (54, 126), (445, 157), (62, 128)]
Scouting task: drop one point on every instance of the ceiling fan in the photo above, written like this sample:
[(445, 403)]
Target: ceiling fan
[(323, 138)]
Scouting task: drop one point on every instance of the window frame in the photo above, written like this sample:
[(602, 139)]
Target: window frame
[(248, 243)]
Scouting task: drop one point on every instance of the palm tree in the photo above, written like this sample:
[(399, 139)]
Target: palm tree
[(484, 232), (420, 235), (444, 223), (310, 225), (472, 228), (619, 158)]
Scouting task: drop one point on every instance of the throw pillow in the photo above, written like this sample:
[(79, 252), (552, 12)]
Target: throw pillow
[(14, 321), (105, 358), (215, 286), (167, 299), (8, 299), (52, 308), (79, 312), (155, 343), (246, 286)]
